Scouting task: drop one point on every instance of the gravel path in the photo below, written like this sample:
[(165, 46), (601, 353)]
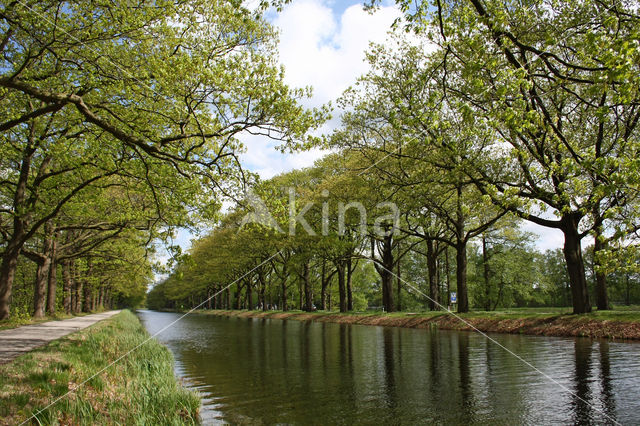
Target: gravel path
[(17, 341)]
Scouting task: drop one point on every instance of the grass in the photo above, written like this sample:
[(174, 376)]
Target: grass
[(614, 324), (139, 389), (618, 313)]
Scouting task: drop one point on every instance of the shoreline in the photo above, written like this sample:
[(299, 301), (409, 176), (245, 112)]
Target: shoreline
[(555, 325)]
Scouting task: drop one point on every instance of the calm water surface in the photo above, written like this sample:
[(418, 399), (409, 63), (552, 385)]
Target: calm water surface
[(260, 371)]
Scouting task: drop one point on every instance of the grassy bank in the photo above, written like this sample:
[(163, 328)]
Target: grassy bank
[(139, 389), (616, 324)]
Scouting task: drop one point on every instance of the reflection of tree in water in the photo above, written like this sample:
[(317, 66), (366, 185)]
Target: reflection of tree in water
[(284, 356), (260, 339), (305, 343), (608, 400), (582, 399), (434, 358), (389, 367), (347, 376), (464, 367), (305, 354), (323, 334)]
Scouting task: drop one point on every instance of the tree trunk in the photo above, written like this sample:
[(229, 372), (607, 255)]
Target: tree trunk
[(66, 286), (438, 281), (16, 241), (40, 287), (249, 295), (385, 269), (7, 276), (53, 280), (283, 286), (283, 289), (300, 296), (77, 295), (216, 298), (107, 299), (575, 265), (433, 281), (461, 276), (349, 289), (101, 291), (74, 297), (602, 298), (308, 303), (86, 296), (323, 286), (238, 297), (387, 286), (485, 274), (87, 290), (447, 270), (263, 289), (461, 256), (342, 286), (399, 287)]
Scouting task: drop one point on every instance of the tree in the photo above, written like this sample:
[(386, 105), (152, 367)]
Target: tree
[(553, 87), (93, 91), (419, 146)]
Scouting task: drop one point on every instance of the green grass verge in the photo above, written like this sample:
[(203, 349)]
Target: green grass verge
[(139, 389)]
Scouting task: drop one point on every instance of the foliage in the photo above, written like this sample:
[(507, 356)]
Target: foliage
[(122, 118)]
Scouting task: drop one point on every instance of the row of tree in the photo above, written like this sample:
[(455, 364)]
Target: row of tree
[(489, 113), (299, 242), (118, 123)]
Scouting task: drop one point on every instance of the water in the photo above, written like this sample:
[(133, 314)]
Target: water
[(253, 371)]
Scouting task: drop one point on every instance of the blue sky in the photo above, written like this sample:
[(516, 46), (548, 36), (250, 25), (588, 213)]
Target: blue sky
[(322, 45)]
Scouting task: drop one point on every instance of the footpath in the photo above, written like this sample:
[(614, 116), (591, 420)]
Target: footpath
[(20, 340)]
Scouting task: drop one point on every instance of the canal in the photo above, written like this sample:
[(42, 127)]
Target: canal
[(272, 371)]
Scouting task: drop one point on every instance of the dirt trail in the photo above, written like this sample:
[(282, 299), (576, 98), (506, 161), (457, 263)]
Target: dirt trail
[(17, 341)]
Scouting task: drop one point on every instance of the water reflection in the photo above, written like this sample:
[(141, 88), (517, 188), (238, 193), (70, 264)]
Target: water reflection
[(605, 378), (464, 367), (270, 371), (582, 401)]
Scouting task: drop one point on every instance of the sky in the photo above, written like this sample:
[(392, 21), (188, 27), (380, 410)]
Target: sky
[(323, 45)]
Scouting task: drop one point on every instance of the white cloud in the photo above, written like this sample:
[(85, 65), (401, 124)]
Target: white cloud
[(320, 49), (327, 52), (548, 238)]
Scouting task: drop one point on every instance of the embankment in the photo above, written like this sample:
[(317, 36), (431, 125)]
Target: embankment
[(588, 325), (140, 388)]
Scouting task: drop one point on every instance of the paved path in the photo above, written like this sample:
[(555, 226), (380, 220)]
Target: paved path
[(17, 341)]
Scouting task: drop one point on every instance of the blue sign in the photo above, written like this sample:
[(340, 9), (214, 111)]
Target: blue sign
[(454, 297)]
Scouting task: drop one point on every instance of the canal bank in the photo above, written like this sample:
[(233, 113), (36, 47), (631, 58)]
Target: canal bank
[(140, 388), (618, 325)]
